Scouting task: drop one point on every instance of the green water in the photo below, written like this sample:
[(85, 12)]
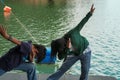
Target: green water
[(44, 20), (41, 23)]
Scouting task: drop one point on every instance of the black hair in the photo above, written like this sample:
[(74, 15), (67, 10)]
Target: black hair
[(53, 48), (59, 46), (41, 52)]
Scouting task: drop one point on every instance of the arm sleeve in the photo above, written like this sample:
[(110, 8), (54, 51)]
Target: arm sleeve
[(83, 21)]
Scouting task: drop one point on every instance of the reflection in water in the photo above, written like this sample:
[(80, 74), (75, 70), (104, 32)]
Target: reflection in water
[(32, 2), (43, 2), (7, 15), (7, 12)]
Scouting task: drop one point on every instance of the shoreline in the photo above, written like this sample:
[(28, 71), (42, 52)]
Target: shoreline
[(23, 76)]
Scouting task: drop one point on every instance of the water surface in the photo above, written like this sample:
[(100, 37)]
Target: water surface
[(44, 20)]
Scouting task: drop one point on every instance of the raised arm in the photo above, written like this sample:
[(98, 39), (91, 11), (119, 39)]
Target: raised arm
[(4, 33), (85, 19)]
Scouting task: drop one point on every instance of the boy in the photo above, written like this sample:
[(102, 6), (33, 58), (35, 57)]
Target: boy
[(21, 56)]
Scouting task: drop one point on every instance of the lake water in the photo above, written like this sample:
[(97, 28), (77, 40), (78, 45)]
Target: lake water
[(44, 20)]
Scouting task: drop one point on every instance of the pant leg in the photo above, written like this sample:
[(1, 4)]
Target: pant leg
[(30, 69), (85, 65), (2, 72), (65, 66)]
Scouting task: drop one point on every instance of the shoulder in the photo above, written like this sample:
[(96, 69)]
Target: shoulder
[(26, 47), (26, 43)]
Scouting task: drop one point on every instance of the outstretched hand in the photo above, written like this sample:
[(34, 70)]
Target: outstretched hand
[(3, 31), (92, 9)]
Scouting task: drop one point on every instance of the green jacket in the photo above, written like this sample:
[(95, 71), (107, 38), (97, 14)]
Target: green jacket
[(79, 43)]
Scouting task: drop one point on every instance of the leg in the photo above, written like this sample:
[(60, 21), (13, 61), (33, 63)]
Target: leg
[(85, 65), (2, 72), (30, 69), (65, 66)]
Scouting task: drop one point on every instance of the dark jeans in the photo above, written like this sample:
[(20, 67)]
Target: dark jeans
[(85, 65), (29, 68)]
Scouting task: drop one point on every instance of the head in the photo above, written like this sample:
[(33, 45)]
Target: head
[(58, 46), (40, 55)]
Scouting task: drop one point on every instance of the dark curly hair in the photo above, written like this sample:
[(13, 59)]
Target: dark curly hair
[(42, 52)]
